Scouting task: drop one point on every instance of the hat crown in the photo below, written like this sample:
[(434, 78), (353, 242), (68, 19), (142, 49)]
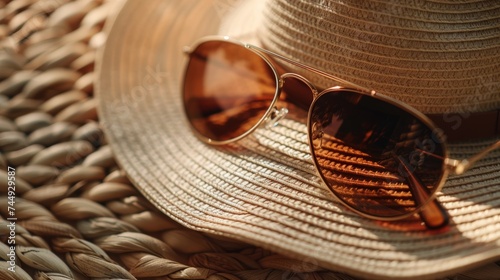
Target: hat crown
[(436, 56)]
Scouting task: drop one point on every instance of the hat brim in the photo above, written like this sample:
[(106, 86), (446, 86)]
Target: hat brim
[(264, 191)]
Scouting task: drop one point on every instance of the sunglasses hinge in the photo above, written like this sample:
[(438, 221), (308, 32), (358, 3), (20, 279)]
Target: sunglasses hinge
[(460, 166), (455, 166)]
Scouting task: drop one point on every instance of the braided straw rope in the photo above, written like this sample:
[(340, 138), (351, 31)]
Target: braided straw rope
[(78, 216)]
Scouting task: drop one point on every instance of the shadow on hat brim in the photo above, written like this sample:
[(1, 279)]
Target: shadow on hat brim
[(264, 189)]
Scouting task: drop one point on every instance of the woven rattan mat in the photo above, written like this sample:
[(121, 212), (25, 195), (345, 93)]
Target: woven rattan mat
[(73, 214)]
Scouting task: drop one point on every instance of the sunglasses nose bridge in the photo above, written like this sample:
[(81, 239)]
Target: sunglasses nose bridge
[(296, 76)]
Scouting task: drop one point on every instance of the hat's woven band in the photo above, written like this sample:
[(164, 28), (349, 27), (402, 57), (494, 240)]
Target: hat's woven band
[(457, 127), (460, 127)]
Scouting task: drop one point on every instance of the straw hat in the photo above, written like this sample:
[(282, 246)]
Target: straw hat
[(439, 57)]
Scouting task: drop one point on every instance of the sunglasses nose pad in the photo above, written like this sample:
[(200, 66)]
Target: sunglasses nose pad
[(317, 135), (275, 116)]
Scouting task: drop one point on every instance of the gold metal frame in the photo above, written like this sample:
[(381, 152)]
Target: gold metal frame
[(454, 166)]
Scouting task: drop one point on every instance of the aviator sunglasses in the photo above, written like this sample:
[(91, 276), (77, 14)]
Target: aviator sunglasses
[(380, 157)]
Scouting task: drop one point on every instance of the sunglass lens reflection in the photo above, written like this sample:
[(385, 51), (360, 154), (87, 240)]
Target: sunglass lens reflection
[(376, 157), (227, 90)]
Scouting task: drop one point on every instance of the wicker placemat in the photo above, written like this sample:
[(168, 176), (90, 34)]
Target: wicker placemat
[(73, 214)]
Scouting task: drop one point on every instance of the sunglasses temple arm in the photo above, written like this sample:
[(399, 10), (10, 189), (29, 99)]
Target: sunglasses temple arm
[(307, 67), (460, 166), (433, 214)]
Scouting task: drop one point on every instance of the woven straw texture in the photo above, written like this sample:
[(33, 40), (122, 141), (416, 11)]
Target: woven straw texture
[(77, 214)]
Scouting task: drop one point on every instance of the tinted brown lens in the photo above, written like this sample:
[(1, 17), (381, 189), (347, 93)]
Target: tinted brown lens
[(227, 90), (376, 157)]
